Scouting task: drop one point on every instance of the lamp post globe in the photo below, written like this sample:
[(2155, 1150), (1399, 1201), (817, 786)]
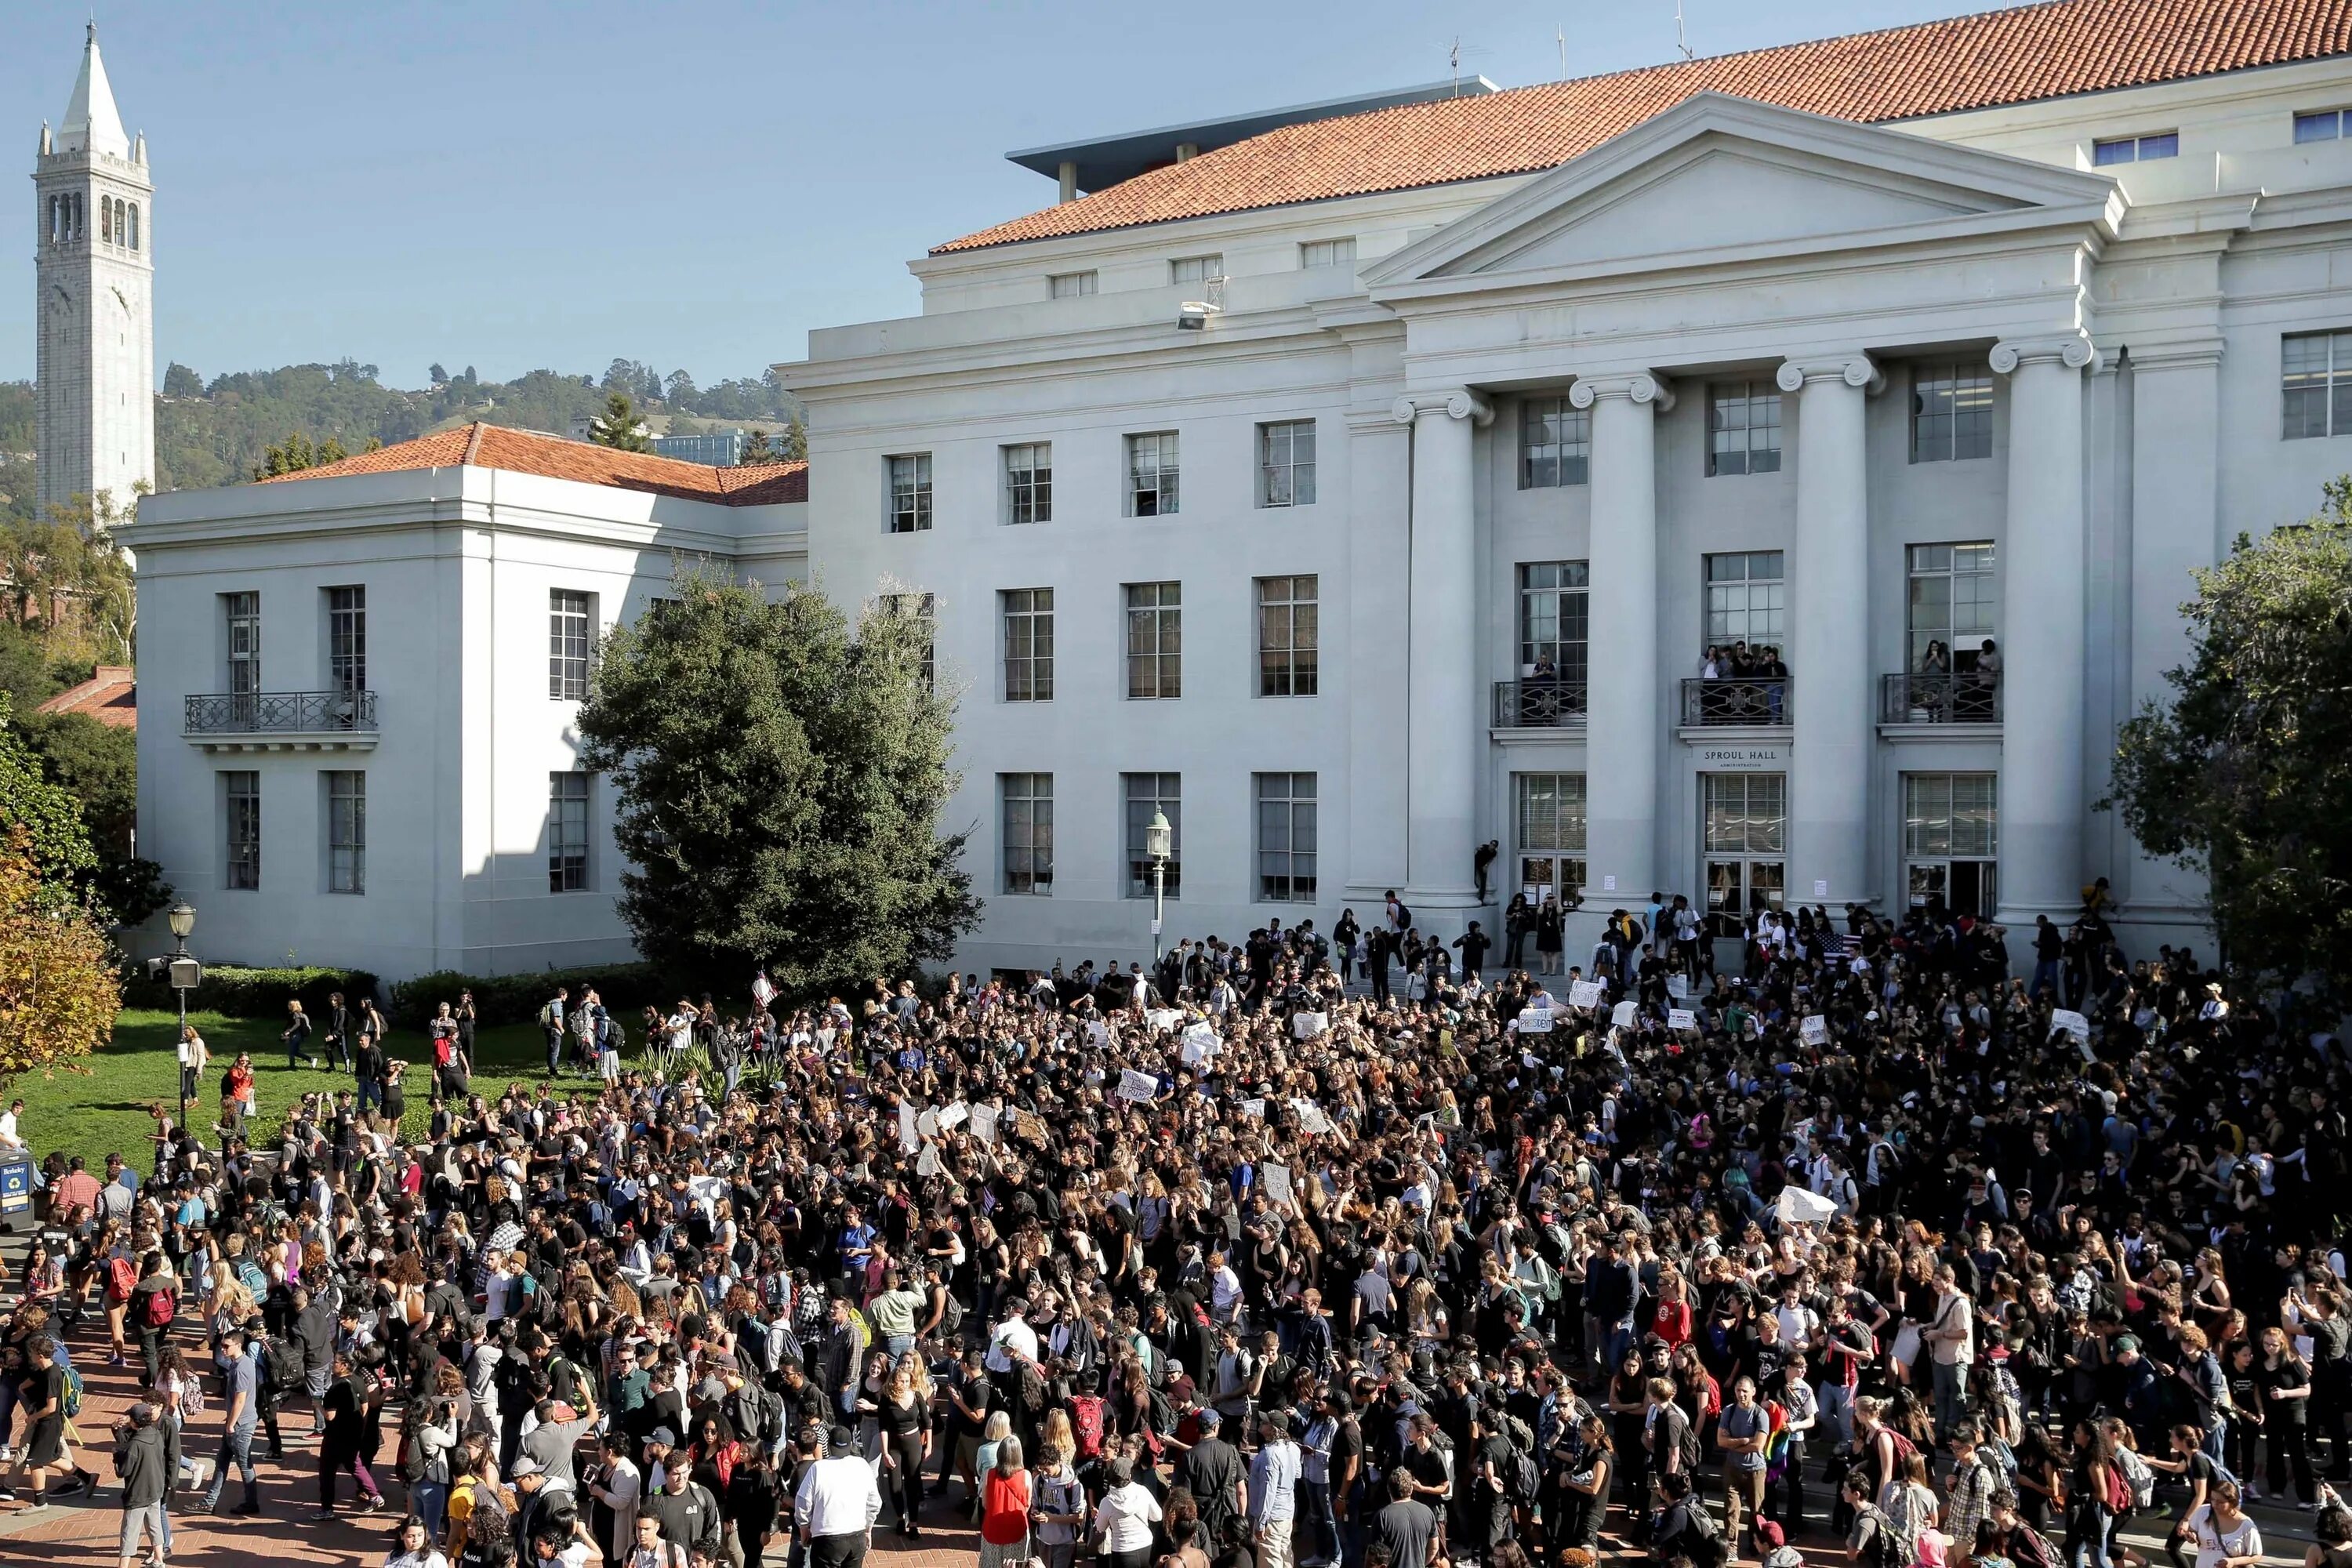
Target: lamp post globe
[(183, 920), (1157, 839)]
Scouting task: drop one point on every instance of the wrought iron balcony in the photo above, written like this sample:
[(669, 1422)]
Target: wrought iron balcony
[(265, 719), (1730, 703), (1970, 696), (1538, 703)]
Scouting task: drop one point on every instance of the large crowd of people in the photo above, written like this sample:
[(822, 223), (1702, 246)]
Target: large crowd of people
[(1226, 1262)]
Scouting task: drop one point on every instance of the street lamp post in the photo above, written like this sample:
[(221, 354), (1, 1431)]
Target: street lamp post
[(1157, 838), (186, 973)]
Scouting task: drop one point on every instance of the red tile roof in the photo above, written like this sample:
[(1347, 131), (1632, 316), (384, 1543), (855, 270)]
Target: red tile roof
[(483, 446), (111, 697), (1934, 68)]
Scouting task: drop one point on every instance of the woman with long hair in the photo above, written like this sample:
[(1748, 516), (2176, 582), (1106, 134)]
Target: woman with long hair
[(2095, 1497), (904, 1417)]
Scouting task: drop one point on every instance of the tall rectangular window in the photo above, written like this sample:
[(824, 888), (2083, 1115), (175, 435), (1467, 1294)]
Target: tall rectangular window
[(1743, 598), (1744, 836), (910, 492), (1147, 794), (241, 617), (241, 792), (347, 639), (1327, 253), (1951, 412), (1073, 285), (2316, 382), (1950, 604), (1548, 829), (1951, 842), (346, 832), (1288, 613), (2135, 149), (1029, 482), (1555, 608), (1028, 837), (1196, 268), (567, 832), (924, 608), (1151, 475), (1155, 639), (1555, 443), (1285, 463), (1743, 428), (569, 617), (1286, 837), (1028, 644)]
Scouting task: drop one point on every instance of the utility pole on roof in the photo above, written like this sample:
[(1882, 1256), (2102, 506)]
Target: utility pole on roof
[(1681, 42)]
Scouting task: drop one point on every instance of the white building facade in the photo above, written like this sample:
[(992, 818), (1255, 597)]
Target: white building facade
[(1417, 537), (94, 269), (361, 691)]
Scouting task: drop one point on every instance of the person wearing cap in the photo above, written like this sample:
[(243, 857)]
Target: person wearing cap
[(837, 1503), (1213, 1472), (543, 1505), (145, 1468)]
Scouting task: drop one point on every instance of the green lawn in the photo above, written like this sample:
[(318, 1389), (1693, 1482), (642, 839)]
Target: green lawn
[(107, 1109)]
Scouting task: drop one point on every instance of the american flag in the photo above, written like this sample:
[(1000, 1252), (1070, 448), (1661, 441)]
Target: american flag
[(1839, 946)]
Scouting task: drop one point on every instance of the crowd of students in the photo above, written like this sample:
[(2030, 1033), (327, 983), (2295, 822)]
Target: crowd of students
[(1227, 1262)]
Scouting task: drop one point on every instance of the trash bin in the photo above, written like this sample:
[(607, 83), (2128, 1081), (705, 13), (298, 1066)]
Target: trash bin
[(16, 1188)]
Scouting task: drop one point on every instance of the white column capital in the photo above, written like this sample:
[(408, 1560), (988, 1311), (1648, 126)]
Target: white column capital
[(2073, 349), (1642, 389), (1855, 369), (1460, 404)]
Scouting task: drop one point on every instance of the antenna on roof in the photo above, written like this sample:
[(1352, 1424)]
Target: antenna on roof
[(1454, 58), (1560, 37), (1681, 42)]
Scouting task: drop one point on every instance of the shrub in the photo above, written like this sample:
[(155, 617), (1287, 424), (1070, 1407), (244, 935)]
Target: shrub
[(237, 992), (517, 998)]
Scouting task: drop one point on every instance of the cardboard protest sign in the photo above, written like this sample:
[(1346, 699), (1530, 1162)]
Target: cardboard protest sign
[(1621, 1015), (1276, 1180), (983, 1123), (1681, 1018), (1307, 1026), (1584, 994), (1535, 1021), (911, 1137), (1254, 1108), (1814, 1030), (1134, 1085)]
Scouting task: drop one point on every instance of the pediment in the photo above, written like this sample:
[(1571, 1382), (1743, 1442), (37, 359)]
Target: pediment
[(1724, 177)]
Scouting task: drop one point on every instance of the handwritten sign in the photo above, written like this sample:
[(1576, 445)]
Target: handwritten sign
[(1584, 994), (1307, 1026), (983, 1123), (1535, 1021), (911, 1137), (954, 1116), (1277, 1180), (1134, 1085), (1310, 1116), (1163, 1018), (1621, 1015), (1813, 1029), (1200, 1042), (1681, 1018), (1254, 1108), (2072, 1023), (1678, 987)]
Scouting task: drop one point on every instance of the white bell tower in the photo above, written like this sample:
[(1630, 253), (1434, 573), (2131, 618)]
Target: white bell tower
[(95, 268)]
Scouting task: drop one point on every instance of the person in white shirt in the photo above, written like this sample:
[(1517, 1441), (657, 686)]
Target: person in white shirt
[(9, 1137), (1126, 1514), (193, 1058), (836, 1504), (2225, 1537), (1224, 1289), (1015, 1339), (411, 1549)]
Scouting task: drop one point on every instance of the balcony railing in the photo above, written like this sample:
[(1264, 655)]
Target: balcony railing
[(1735, 702), (1539, 703), (1971, 697), (280, 713)]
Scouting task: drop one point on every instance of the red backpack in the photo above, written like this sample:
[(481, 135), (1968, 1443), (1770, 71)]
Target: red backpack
[(122, 1278), (161, 1308), (1087, 1423)]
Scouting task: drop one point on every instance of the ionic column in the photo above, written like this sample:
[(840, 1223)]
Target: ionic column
[(1625, 716), (1829, 624), (2042, 797), (1447, 733)]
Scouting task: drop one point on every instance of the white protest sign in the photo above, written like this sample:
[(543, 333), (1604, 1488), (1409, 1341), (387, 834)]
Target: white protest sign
[(1098, 1032), (983, 1123), (1134, 1085), (1164, 1018), (911, 1137), (1797, 1206), (927, 1164), (1277, 1179), (1535, 1021), (1813, 1029), (954, 1116), (1621, 1015), (2073, 1024), (1254, 1108), (1310, 1116), (1584, 994), (1307, 1026), (1678, 987), (1680, 1018)]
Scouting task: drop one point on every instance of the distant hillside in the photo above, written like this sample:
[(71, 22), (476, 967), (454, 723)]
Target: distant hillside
[(214, 434)]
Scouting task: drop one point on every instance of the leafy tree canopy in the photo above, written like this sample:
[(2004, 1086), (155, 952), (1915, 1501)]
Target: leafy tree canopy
[(44, 816), (620, 426), (779, 776), (58, 994), (2245, 775)]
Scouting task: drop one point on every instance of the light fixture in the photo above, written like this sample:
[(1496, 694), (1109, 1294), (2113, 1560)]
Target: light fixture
[(183, 920), (1157, 836)]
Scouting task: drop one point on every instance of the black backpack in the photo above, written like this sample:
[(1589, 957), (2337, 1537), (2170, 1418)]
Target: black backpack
[(1521, 1479), (283, 1373)]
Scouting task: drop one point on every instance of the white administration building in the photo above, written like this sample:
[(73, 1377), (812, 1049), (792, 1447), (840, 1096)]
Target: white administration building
[(1359, 484)]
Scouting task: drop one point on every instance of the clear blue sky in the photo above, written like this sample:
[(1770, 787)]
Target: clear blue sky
[(515, 185)]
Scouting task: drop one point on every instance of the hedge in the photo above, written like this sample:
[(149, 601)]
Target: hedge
[(237, 992), (517, 998)]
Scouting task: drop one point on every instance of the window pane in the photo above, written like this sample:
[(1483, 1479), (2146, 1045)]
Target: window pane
[(1148, 792), (2320, 127)]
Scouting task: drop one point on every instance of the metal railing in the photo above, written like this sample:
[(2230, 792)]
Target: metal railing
[(1971, 697), (1539, 703), (279, 712), (1738, 701)]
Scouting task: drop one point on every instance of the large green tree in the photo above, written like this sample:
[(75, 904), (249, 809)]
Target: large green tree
[(2245, 773), (780, 774), (620, 426)]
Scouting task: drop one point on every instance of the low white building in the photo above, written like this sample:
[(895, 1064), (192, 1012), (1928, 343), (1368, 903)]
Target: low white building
[(1360, 487), (1403, 465), (361, 683)]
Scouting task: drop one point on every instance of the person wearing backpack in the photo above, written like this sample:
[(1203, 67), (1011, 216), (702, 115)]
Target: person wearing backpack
[(47, 1391), (154, 1304), (481, 1511), (2097, 1497), (1741, 1433), (1877, 1540)]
